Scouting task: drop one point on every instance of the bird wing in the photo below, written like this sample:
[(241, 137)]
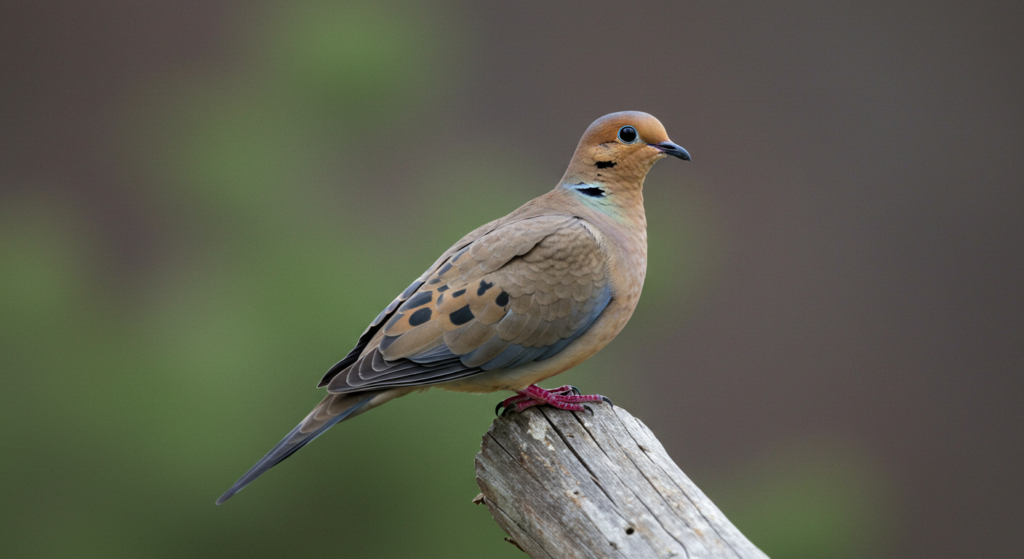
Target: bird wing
[(519, 292)]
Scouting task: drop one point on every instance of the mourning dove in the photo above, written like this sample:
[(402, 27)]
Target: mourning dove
[(516, 301)]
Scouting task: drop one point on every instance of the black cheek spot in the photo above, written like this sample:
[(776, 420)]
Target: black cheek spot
[(442, 289), (484, 286), (418, 300), (502, 299), (592, 191), (458, 293), (605, 164), (461, 316), (419, 317)]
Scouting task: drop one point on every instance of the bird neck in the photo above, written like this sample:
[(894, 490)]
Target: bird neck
[(615, 203), (608, 186), (602, 165), (618, 213)]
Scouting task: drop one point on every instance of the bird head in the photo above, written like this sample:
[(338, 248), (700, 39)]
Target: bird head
[(621, 148)]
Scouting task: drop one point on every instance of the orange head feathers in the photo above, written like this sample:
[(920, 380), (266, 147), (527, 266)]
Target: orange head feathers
[(621, 148)]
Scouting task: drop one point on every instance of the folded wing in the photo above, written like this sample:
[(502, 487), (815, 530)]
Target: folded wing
[(519, 293)]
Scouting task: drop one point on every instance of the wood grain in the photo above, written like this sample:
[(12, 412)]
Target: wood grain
[(580, 484)]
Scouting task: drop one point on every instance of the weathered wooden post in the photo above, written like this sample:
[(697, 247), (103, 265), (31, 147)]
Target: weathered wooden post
[(580, 484)]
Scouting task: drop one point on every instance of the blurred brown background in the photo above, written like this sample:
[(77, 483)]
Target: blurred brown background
[(203, 203)]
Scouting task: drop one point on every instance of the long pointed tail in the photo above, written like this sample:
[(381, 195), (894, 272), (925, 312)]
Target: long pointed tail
[(334, 409)]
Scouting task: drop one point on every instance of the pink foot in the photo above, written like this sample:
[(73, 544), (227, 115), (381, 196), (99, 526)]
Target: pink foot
[(564, 398)]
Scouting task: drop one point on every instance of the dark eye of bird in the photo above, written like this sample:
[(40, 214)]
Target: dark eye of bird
[(627, 134)]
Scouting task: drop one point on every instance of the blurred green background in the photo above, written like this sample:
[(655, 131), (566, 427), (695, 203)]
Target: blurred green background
[(203, 204)]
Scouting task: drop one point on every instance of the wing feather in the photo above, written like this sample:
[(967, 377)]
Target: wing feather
[(520, 292)]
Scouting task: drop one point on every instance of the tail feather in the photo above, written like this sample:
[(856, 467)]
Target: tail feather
[(334, 409)]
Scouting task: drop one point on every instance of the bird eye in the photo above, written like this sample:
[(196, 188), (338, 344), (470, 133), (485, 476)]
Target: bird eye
[(627, 134)]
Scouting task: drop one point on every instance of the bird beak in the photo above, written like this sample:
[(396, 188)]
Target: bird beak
[(668, 148)]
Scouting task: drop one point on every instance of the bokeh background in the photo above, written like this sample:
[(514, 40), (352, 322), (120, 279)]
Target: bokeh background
[(203, 203)]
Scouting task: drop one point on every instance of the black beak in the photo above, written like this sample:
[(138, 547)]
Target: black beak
[(668, 148)]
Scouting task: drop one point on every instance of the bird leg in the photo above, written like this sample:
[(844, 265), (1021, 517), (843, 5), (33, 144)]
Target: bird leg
[(564, 398)]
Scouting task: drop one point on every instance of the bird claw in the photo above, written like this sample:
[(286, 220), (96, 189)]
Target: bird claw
[(514, 403), (566, 397)]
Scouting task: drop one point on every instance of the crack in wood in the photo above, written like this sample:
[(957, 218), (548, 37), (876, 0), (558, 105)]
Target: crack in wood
[(650, 511), (695, 505), (583, 462), (642, 505)]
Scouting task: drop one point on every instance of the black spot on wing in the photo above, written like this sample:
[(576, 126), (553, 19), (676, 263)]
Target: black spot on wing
[(458, 293), (419, 317), (418, 300), (605, 164), (444, 269), (461, 316), (484, 286), (502, 299), (442, 289)]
